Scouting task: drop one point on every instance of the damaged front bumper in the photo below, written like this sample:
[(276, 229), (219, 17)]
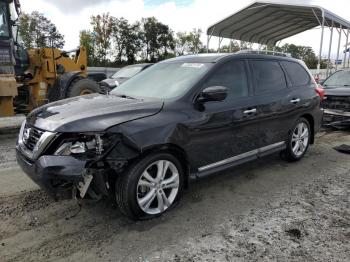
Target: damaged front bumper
[(336, 118), (58, 175)]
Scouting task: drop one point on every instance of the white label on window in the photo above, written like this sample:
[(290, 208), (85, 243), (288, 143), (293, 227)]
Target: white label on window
[(192, 65)]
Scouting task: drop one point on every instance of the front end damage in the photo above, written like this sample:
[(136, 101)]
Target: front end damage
[(71, 165), (336, 111)]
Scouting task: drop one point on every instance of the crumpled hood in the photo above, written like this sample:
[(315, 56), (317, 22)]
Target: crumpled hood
[(91, 113), (337, 91)]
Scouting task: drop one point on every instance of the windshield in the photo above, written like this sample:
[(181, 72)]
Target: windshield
[(4, 28), (163, 80), (340, 78), (127, 72)]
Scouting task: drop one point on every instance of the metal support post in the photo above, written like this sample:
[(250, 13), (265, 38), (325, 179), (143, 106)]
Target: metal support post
[(339, 40), (321, 45), (329, 50), (220, 40), (346, 48)]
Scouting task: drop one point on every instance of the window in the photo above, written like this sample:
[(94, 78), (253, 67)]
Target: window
[(163, 80), (296, 73), (340, 78), (231, 75), (269, 76), (4, 30)]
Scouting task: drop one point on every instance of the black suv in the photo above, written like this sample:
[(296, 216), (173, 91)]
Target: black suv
[(181, 119)]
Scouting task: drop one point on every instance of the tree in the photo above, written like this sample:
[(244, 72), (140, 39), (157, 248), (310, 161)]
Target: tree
[(157, 39), (127, 40), (188, 43), (305, 53), (38, 31), (232, 47), (87, 40), (102, 29)]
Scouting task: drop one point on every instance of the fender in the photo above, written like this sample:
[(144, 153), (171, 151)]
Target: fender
[(65, 81)]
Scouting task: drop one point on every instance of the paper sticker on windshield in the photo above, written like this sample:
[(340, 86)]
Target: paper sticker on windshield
[(192, 65)]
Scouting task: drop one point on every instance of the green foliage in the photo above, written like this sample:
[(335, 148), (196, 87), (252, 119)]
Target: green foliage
[(38, 31), (232, 47), (158, 39), (102, 31), (87, 40), (305, 53), (188, 43), (127, 40)]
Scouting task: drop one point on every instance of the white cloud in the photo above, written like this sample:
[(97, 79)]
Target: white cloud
[(70, 17)]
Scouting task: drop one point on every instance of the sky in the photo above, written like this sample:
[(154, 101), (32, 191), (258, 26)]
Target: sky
[(71, 16)]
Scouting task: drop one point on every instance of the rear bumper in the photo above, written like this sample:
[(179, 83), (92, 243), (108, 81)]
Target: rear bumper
[(336, 118), (54, 174)]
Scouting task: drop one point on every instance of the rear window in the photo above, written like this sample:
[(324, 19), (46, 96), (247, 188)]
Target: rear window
[(296, 73), (269, 76)]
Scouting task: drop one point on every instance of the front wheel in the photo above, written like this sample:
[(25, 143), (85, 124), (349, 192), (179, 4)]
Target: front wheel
[(299, 140), (150, 187)]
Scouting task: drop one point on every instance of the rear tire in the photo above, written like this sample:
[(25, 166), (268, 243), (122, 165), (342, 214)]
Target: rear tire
[(83, 87), (299, 141), (145, 191)]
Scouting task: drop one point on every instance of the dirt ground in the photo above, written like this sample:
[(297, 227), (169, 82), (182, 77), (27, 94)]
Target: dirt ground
[(262, 211)]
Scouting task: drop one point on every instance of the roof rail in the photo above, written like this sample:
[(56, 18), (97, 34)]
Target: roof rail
[(264, 52)]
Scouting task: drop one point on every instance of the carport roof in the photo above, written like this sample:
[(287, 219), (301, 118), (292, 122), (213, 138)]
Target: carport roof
[(269, 22)]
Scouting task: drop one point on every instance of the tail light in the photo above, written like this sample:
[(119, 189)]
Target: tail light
[(320, 91)]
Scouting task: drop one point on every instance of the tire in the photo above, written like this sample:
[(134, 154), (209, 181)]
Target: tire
[(83, 87), (298, 143), (140, 198)]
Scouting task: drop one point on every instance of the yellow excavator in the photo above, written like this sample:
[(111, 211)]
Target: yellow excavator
[(31, 78)]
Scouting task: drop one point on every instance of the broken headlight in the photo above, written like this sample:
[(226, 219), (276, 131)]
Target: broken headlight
[(83, 144)]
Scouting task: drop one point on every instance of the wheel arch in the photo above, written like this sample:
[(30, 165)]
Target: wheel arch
[(311, 121), (175, 150)]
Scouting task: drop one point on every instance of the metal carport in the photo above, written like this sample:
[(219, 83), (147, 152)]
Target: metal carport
[(269, 22)]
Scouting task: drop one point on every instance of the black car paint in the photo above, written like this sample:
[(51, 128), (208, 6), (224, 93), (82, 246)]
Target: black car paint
[(180, 125)]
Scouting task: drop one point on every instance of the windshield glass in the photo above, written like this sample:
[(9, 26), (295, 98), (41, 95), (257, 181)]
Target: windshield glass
[(163, 80), (341, 78), (4, 28), (127, 72)]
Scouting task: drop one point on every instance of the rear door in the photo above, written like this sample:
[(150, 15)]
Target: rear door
[(270, 90), (301, 97)]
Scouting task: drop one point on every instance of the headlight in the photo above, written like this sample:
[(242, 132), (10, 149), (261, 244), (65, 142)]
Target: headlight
[(83, 144)]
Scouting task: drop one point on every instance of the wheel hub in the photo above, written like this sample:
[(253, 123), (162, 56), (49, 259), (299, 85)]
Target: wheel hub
[(158, 187)]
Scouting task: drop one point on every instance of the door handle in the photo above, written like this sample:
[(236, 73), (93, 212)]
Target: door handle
[(249, 111), (295, 101)]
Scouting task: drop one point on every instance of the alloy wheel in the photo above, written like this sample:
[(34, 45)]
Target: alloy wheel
[(158, 187), (300, 139)]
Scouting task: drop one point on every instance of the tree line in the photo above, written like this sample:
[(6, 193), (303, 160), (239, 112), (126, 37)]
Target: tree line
[(113, 41), (116, 41)]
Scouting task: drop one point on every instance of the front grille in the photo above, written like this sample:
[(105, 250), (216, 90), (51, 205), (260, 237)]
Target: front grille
[(337, 102), (31, 137)]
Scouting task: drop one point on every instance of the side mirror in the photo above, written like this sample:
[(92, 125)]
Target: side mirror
[(213, 93)]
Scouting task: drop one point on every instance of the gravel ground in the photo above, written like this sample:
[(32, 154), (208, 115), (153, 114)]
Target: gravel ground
[(262, 211)]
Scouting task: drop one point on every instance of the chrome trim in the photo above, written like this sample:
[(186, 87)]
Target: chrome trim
[(241, 156), (43, 141), (336, 112)]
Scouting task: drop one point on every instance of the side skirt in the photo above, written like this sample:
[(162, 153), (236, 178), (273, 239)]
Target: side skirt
[(237, 160)]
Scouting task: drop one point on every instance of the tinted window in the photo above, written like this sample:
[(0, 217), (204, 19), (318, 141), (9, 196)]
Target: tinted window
[(296, 73), (233, 76), (340, 78), (268, 75)]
